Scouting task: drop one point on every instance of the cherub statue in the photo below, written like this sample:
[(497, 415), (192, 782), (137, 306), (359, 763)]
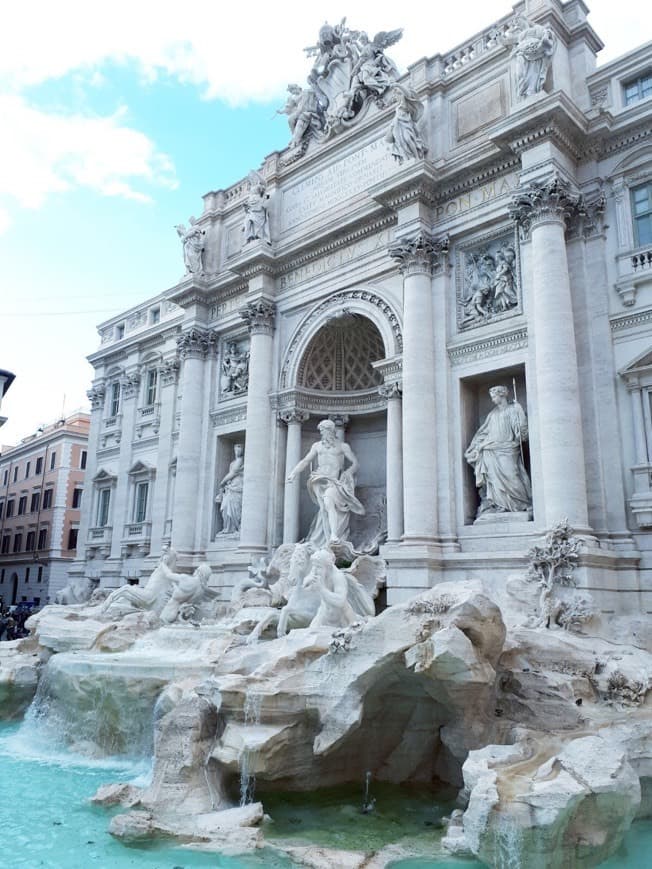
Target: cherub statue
[(256, 221), (193, 246)]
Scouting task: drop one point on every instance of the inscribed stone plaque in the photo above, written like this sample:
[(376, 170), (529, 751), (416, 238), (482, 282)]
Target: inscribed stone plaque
[(336, 184), (481, 108)]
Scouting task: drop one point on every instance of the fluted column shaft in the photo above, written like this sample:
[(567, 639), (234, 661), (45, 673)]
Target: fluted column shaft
[(294, 420), (193, 348), (394, 467), (638, 420), (258, 462)]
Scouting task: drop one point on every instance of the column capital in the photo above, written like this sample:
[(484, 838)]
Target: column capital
[(96, 396), (195, 343), (259, 316), (632, 382), (293, 415), (391, 390), (420, 253), (169, 371), (129, 383), (548, 201)]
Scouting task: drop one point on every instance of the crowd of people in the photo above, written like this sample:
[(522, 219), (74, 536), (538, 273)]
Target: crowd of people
[(13, 618)]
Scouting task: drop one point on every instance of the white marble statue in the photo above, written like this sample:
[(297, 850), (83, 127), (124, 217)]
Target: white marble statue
[(495, 454), (403, 135), (235, 370), (79, 590), (192, 240), (534, 45), (229, 496), (331, 486), (342, 600), (304, 114), (188, 593), (256, 220), (152, 596)]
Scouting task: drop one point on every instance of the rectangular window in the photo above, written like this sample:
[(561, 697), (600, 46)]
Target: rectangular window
[(27, 469), (27, 574), (35, 503), (22, 505), (155, 316), (42, 538), (114, 409), (103, 508), (5, 478), (119, 332), (140, 511), (30, 541), (39, 578), (18, 542), (642, 212), (47, 499), (2, 575), (39, 466), (72, 538), (15, 473), (10, 509), (53, 461), (76, 498), (82, 461), (2, 508), (150, 392), (638, 89), (5, 544)]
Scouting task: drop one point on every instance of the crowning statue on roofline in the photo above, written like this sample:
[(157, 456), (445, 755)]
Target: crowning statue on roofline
[(349, 71)]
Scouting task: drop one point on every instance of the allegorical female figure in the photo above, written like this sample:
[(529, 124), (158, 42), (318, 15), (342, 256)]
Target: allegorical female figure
[(229, 496), (495, 455)]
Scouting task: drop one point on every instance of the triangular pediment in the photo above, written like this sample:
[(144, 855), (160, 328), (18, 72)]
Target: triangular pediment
[(104, 476), (141, 468), (640, 364)]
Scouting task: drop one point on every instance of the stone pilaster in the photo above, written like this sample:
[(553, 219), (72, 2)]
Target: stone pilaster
[(394, 468), (294, 420), (168, 377), (543, 210), (119, 511), (259, 316), (638, 421), (96, 395), (193, 347), (416, 256)]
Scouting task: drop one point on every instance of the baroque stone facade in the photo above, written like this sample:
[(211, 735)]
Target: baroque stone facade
[(481, 221)]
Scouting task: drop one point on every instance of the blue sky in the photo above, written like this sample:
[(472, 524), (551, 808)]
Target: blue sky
[(116, 119)]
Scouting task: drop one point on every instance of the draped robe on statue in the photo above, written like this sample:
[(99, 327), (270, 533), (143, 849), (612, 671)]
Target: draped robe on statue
[(495, 454)]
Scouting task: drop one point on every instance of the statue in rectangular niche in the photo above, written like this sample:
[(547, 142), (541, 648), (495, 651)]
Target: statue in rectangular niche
[(229, 495), (234, 378), (489, 283), (496, 455)]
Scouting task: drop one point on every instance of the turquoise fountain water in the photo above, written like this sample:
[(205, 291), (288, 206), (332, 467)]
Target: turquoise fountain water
[(48, 822)]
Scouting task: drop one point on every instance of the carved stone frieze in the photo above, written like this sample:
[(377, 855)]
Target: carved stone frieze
[(195, 343), (228, 417), (420, 253), (488, 280), (259, 316), (485, 348), (234, 368), (96, 396)]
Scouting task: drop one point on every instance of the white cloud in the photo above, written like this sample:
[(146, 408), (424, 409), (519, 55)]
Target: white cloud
[(49, 153)]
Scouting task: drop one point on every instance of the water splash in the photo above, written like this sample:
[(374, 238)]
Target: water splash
[(251, 710), (507, 846)]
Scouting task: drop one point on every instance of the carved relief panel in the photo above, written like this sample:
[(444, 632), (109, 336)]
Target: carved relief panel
[(234, 367), (488, 280)]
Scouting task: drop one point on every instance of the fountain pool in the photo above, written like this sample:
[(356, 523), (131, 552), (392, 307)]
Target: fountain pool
[(48, 822)]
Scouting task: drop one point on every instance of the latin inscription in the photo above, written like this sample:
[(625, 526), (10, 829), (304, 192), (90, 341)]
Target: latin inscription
[(477, 196), (336, 184), (333, 260)]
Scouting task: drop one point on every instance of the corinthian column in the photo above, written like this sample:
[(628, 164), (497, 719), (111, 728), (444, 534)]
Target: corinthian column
[(193, 346), (259, 317), (543, 209), (294, 419), (415, 256), (394, 467)]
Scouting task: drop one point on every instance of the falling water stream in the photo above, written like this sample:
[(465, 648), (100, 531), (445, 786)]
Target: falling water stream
[(252, 707)]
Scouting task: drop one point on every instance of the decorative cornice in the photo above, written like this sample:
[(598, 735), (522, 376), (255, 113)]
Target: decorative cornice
[(517, 339), (195, 343), (259, 317), (419, 253), (551, 132), (228, 417), (327, 403), (543, 202), (294, 415), (621, 322)]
